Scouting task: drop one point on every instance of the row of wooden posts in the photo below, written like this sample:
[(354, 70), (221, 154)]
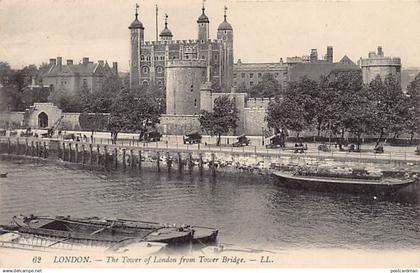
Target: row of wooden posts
[(129, 158), (90, 154)]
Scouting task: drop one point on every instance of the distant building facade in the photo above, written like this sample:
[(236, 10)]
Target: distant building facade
[(250, 74), (73, 77), (378, 64), (148, 59)]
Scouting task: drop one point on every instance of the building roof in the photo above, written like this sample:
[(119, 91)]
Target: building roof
[(166, 32), (136, 24), (81, 69), (203, 17), (315, 70), (225, 25), (346, 60)]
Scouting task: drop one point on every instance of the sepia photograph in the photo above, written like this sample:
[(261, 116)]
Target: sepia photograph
[(214, 134)]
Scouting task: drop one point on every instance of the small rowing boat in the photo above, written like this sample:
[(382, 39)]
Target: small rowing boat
[(3, 175)]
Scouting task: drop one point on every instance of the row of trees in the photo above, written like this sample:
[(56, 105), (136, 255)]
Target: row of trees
[(340, 103)]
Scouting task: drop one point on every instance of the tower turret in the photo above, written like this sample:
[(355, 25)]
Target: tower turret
[(225, 34), (166, 34), (137, 38), (203, 25)]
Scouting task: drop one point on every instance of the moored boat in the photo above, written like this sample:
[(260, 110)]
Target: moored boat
[(3, 175), (357, 182), (95, 229)]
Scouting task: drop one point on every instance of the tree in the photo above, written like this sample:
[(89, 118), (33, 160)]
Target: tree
[(413, 101), (133, 112), (222, 119), (65, 101), (268, 87)]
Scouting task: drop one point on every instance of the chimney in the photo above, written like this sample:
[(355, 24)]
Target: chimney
[(69, 62), (85, 60), (380, 52), (53, 62), (101, 62), (281, 60), (115, 68), (314, 55), (59, 62), (330, 57)]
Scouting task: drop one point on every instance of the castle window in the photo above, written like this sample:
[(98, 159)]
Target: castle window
[(145, 70), (251, 83), (215, 57), (251, 75), (195, 102), (243, 75), (162, 58), (202, 41), (156, 58), (234, 75), (192, 88), (276, 75), (159, 69), (203, 57), (259, 75), (145, 83), (160, 83), (225, 32), (142, 57), (148, 58)]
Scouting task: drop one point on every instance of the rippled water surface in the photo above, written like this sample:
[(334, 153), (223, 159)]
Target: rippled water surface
[(252, 211)]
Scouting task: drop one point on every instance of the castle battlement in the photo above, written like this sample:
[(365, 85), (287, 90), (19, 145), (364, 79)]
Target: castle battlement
[(381, 61), (258, 102), (182, 42)]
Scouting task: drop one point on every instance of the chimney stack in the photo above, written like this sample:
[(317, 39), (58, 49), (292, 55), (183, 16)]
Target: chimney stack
[(330, 57), (85, 60), (115, 68), (380, 52), (53, 62), (314, 56), (69, 62), (59, 62)]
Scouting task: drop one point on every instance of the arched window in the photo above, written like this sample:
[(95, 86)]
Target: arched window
[(160, 82), (148, 58), (195, 102), (142, 57), (145, 70), (159, 69), (162, 58), (192, 88), (145, 83)]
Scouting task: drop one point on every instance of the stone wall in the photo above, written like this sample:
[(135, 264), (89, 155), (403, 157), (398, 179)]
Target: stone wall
[(179, 124), (254, 124), (11, 119), (70, 121), (53, 113)]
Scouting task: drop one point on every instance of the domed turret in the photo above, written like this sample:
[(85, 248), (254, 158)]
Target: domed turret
[(136, 23), (225, 24), (166, 34), (203, 26), (203, 17)]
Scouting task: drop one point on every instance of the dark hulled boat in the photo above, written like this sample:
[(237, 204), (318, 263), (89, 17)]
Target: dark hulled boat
[(356, 182)]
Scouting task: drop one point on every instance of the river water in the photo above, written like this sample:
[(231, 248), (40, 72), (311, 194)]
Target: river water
[(248, 211)]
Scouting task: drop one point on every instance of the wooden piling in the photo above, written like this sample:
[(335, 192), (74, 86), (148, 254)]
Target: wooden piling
[(64, 152), (70, 152), (76, 153), (213, 166), (45, 150), (8, 146), (105, 157), (123, 159), (26, 146), (139, 166), (17, 146), (158, 161), (83, 154), (115, 158), (190, 162), (180, 165), (200, 163), (131, 159), (91, 154), (98, 155), (168, 161)]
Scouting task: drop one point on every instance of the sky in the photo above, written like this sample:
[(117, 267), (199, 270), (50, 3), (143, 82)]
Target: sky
[(32, 31)]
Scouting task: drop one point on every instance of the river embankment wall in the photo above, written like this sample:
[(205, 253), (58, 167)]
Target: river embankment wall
[(185, 159)]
